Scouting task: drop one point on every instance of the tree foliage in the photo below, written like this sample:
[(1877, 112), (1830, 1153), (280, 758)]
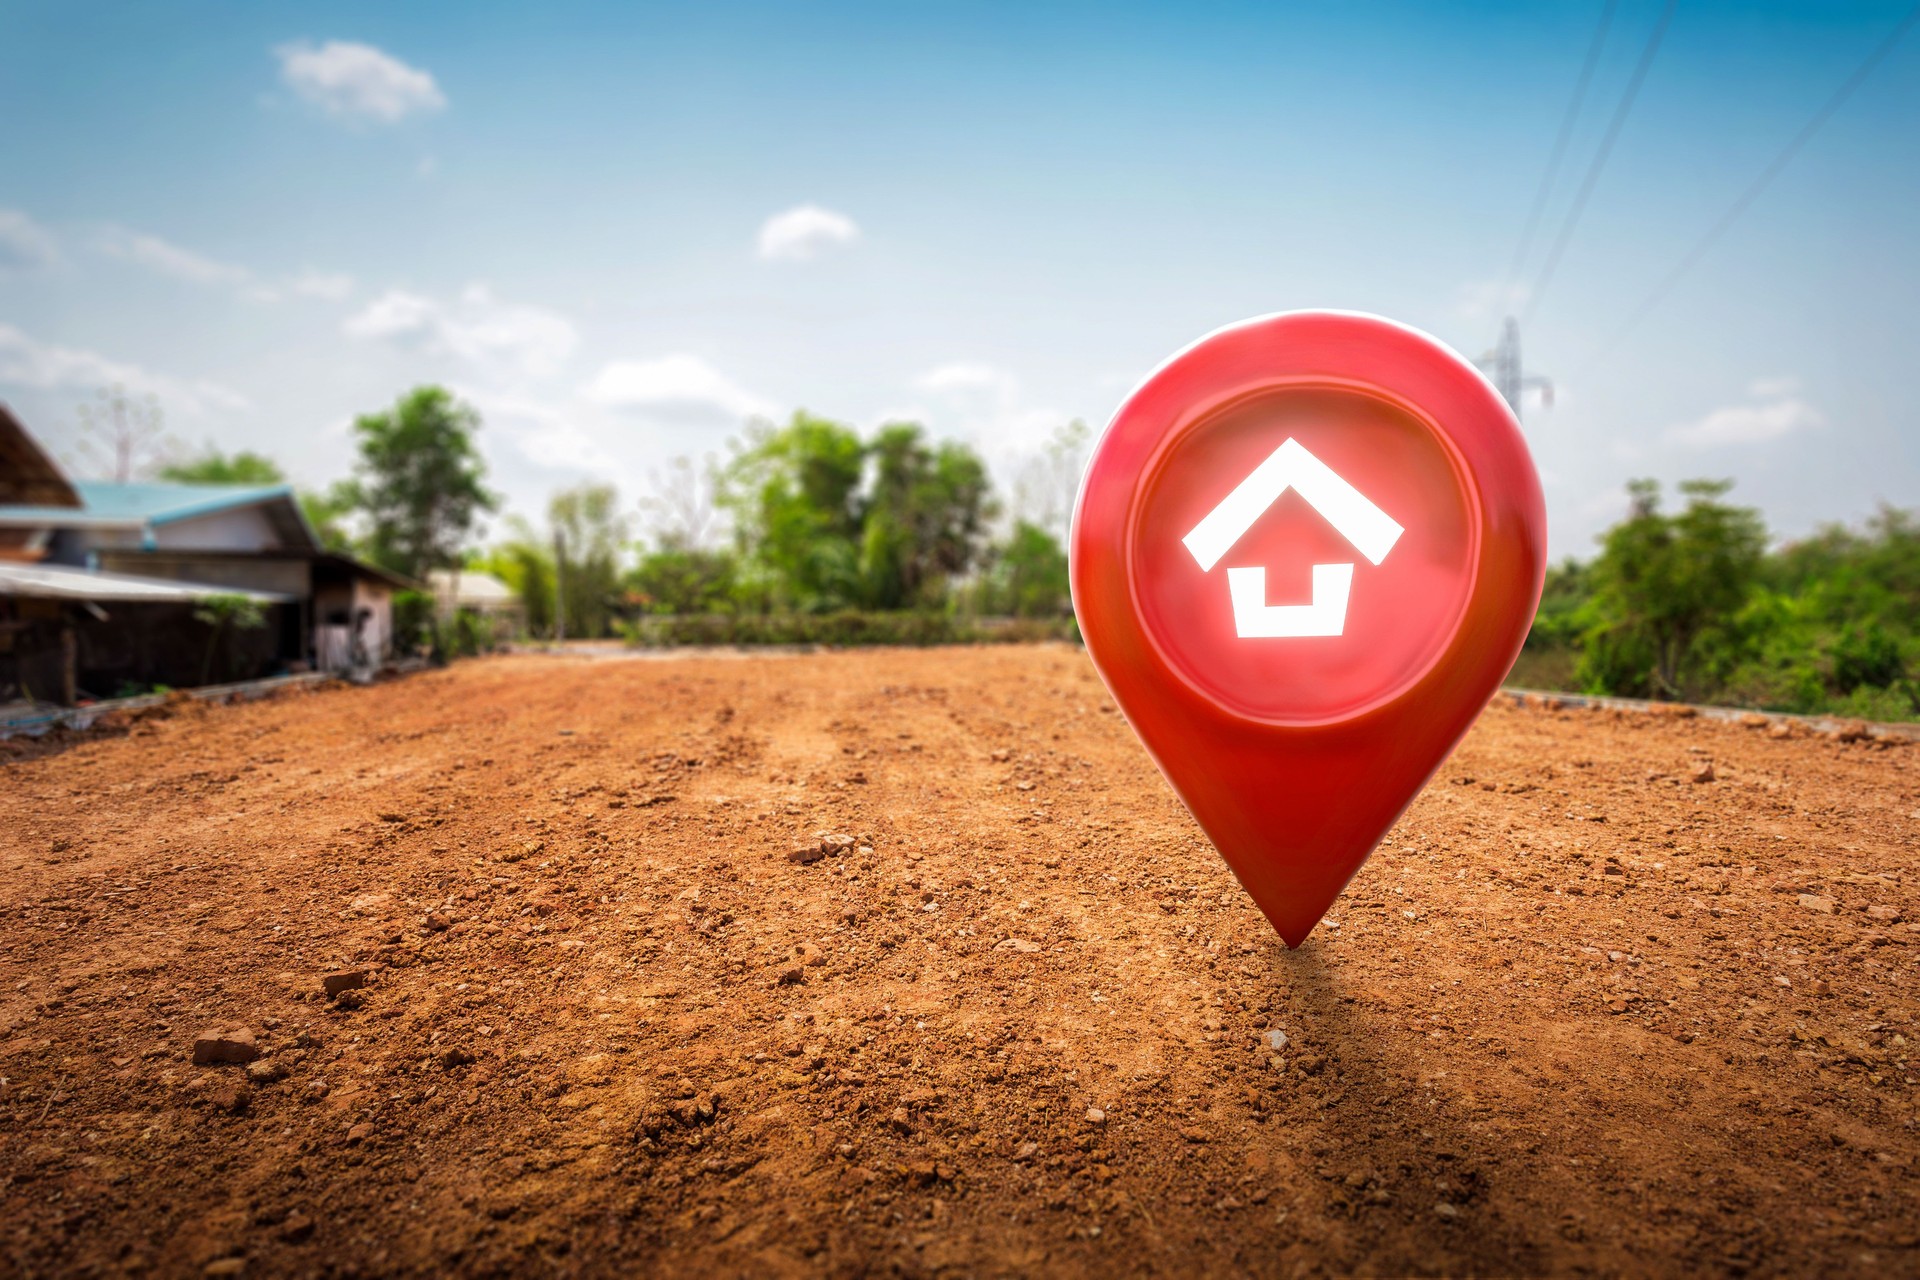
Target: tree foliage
[(1026, 576), (825, 521), (1667, 589), (923, 521), (524, 561), (590, 535), (211, 466), (1694, 605), (683, 580), (328, 511), (418, 481), (793, 494)]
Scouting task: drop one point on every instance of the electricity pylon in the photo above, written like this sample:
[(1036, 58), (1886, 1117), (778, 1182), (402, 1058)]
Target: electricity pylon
[(1503, 365)]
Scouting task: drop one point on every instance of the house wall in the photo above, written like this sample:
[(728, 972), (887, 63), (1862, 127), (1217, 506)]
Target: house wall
[(335, 606), (378, 600), (284, 577), (139, 645), (236, 529), (74, 546)]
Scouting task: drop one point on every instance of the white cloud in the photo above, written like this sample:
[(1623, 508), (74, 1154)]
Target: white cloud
[(170, 259), (804, 232), (357, 81), (680, 385), (987, 406), (24, 243), (333, 286), (27, 362), (965, 378), (1777, 412), (545, 435), (178, 263), (477, 328)]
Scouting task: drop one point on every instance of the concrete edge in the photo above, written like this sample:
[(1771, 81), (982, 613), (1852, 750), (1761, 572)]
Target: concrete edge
[(1553, 700), (35, 723)]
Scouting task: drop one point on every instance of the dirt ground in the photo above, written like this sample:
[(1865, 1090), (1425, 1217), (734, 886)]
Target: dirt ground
[(1581, 1015)]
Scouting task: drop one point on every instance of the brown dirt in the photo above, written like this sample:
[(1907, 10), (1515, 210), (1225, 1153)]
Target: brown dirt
[(1576, 1017)]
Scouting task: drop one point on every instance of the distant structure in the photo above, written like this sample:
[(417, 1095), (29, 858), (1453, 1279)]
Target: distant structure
[(1503, 365), (107, 586), (495, 604)]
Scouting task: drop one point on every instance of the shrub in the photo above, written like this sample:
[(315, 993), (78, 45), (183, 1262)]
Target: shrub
[(843, 629)]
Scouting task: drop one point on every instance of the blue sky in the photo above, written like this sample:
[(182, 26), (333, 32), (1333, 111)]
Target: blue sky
[(619, 230)]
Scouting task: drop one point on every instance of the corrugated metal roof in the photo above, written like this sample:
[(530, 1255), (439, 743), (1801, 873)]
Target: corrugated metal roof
[(158, 503), (52, 582), (347, 565), (134, 505), (18, 517), (108, 505), (475, 587)]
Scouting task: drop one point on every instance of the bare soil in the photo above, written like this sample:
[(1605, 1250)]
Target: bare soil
[(1581, 1015)]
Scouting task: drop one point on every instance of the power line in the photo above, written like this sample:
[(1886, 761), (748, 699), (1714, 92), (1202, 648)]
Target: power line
[(1760, 184), (1560, 142), (1600, 157)]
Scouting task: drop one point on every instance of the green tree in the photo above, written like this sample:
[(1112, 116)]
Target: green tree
[(683, 580), (1668, 591), (922, 522), (1846, 628), (794, 495), (1028, 575), (525, 563), (418, 481), (327, 512), (590, 534), (1827, 623), (215, 467)]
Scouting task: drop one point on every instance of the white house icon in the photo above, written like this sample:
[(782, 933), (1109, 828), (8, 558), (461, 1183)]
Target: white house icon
[(1371, 531)]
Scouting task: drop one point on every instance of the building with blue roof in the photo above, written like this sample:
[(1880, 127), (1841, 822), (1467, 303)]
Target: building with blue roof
[(91, 544)]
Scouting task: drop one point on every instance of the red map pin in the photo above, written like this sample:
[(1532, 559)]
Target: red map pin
[(1306, 551)]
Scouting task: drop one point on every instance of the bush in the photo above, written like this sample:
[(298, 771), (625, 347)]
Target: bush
[(1869, 703), (1679, 606), (844, 629), (469, 634), (414, 631)]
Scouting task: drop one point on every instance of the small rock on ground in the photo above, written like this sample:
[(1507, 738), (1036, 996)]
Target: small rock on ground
[(225, 1044)]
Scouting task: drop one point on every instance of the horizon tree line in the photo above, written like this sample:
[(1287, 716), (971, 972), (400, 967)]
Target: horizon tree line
[(808, 517)]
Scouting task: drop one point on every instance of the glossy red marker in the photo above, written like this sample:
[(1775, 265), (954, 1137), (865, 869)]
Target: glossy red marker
[(1306, 551)]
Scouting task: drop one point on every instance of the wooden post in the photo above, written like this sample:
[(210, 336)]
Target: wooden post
[(69, 663)]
